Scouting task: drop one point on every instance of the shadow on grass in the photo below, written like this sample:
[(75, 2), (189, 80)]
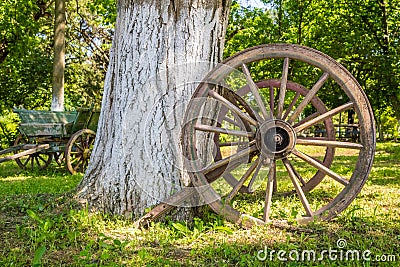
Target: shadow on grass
[(290, 246)]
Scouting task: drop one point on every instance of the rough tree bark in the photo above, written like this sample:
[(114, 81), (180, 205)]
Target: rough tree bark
[(161, 50), (57, 102)]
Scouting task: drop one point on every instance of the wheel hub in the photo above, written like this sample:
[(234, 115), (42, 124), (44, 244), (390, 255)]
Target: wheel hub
[(275, 139)]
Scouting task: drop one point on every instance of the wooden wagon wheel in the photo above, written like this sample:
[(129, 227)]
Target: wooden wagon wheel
[(78, 150), (33, 161), (275, 138), (272, 85)]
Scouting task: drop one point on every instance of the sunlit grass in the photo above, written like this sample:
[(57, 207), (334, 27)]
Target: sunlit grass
[(15, 181), (37, 211)]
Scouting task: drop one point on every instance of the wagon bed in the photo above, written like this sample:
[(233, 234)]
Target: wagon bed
[(45, 123)]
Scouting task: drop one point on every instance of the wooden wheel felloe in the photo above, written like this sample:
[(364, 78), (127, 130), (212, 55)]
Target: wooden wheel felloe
[(33, 161), (266, 132), (78, 150)]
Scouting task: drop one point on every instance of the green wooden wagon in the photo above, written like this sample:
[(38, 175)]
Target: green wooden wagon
[(46, 135)]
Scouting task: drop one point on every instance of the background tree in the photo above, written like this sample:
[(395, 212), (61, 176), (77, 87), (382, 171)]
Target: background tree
[(57, 100), (161, 50)]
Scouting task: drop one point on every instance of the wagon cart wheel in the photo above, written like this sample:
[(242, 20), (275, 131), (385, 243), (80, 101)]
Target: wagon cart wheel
[(38, 160), (78, 150), (271, 84), (278, 146)]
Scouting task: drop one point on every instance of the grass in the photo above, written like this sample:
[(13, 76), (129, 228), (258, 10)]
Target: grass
[(41, 225)]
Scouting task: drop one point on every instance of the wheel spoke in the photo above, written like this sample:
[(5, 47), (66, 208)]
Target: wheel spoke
[(79, 140), (233, 122), (290, 107), (233, 143), (58, 157), (254, 89), (84, 164), (45, 161), (275, 187), (282, 91), (224, 170), (26, 161), (226, 102), (253, 179), (91, 142), (310, 117), (230, 179), (271, 98), (242, 180), (308, 97), (207, 128), (41, 158), (37, 162), (75, 159), (79, 146), (300, 193), (239, 155), (269, 190), (323, 117), (320, 167), (298, 176), (78, 164), (314, 142)]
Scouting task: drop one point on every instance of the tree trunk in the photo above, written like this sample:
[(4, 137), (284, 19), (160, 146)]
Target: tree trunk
[(161, 51), (57, 102)]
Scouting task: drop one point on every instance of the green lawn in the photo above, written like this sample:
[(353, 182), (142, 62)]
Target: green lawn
[(41, 224)]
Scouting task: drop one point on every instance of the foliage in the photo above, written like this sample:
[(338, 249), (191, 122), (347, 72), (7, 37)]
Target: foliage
[(26, 53), (90, 31), (361, 35), (389, 124), (248, 27), (41, 223), (8, 129)]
